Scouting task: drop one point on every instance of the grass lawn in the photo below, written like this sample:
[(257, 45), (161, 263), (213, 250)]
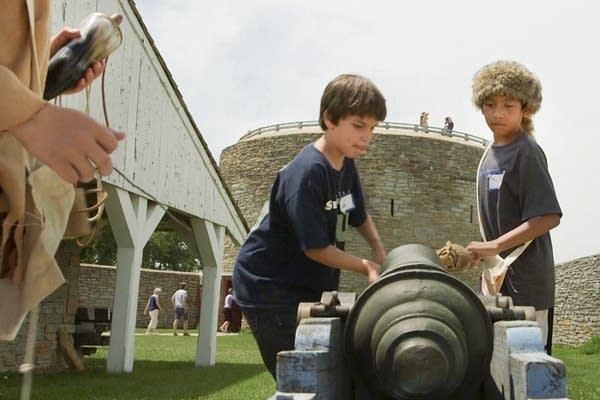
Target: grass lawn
[(164, 370)]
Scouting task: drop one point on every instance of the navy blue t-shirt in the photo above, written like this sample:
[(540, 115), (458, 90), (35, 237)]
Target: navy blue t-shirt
[(304, 213)]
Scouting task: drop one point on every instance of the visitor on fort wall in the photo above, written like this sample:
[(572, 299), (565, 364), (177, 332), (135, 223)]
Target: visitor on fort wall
[(424, 121), (448, 125)]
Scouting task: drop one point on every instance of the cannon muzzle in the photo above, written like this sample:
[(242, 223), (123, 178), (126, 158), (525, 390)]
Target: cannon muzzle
[(417, 332)]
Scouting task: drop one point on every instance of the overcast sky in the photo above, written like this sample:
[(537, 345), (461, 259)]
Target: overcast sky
[(245, 64)]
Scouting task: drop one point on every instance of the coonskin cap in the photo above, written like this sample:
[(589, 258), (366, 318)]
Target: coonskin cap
[(507, 78)]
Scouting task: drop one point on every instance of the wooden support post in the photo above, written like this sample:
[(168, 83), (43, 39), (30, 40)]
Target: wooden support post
[(210, 239), (133, 220)]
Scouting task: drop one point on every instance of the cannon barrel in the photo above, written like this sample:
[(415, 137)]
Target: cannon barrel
[(417, 332)]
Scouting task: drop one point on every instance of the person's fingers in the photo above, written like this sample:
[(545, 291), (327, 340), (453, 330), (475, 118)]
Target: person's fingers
[(97, 68), (119, 135), (101, 160), (63, 37), (85, 170), (109, 140), (66, 171)]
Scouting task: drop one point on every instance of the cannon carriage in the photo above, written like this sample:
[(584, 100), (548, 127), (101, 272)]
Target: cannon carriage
[(417, 333)]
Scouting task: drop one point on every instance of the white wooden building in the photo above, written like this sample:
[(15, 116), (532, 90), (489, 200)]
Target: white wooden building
[(162, 168)]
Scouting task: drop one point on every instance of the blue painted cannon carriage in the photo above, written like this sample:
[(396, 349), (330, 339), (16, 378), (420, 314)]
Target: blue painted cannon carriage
[(417, 333)]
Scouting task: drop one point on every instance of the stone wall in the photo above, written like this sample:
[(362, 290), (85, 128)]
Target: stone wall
[(56, 310), (577, 306), (419, 188), (92, 286), (97, 288)]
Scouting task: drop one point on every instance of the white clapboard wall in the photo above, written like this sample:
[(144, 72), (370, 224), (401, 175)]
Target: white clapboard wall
[(165, 164), (164, 153)]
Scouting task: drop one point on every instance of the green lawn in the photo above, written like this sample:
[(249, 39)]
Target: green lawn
[(164, 370)]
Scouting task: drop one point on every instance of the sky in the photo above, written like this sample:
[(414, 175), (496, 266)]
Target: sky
[(243, 64)]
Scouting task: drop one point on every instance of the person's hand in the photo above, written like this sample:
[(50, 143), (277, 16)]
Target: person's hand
[(481, 250), (372, 269), (68, 141), (145, 312), (64, 36)]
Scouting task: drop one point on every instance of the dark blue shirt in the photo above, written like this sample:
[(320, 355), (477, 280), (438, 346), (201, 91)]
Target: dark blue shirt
[(304, 213), (152, 303)]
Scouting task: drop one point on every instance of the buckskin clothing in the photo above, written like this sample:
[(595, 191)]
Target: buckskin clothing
[(35, 202)]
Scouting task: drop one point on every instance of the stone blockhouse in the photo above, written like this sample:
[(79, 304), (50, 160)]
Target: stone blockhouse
[(419, 187)]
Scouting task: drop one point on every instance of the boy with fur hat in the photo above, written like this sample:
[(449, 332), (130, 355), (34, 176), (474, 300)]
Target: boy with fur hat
[(516, 197), (297, 250)]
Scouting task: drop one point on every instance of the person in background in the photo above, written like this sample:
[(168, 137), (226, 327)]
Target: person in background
[(229, 299), (448, 125), (516, 196), (181, 303), (424, 121), (153, 308), (297, 251)]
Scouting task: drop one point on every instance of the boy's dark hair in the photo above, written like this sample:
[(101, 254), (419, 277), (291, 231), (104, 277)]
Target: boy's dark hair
[(351, 95), (511, 79), (182, 285)]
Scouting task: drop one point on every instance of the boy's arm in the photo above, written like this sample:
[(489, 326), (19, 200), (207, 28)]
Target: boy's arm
[(528, 230), (336, 258), (369, 232)]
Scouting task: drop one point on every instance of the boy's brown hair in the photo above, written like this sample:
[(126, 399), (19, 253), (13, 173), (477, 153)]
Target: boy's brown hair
[(510, 79), (351, 95)]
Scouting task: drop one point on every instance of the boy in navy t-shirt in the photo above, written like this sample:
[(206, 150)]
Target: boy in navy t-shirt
[(297, 250)]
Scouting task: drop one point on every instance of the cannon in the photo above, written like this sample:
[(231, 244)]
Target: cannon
[(415, 333)]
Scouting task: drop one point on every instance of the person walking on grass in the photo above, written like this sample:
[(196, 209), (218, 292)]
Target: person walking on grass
[(229, 299), (180, 301), (153, 308)]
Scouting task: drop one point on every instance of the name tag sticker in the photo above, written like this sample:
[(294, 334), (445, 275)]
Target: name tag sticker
[(494, 181), (347, 203)]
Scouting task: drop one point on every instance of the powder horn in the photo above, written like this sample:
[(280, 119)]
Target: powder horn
[(100, 36)]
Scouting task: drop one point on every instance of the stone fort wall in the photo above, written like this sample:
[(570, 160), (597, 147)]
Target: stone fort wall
[(577, 305), (419, 188), (431, 180)]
